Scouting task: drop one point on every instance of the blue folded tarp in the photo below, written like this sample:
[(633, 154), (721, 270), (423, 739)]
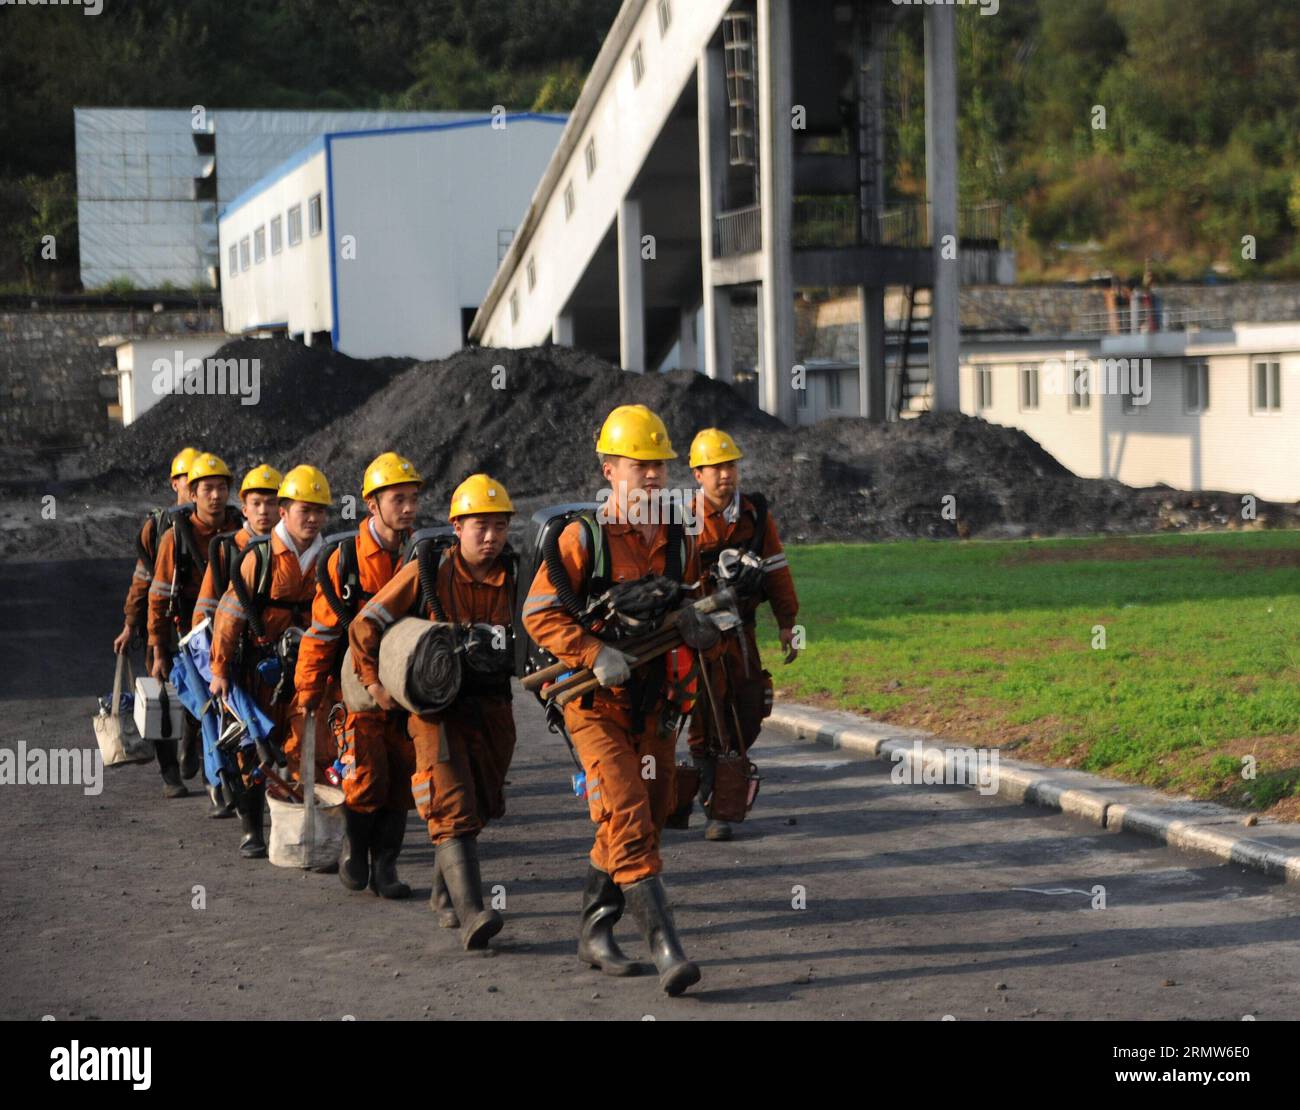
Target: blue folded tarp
[(191, 675)]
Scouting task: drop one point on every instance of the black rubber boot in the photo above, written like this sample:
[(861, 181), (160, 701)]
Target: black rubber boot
[(708, 766), (717, 830), (458, 862), (390, 831), (220, 807), (602, 906), (354, 862), (440, 900), (251, 808), (191, 752), (648, 902), (165, 750)]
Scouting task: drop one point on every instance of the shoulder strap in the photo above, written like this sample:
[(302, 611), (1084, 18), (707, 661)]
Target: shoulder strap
[(675, 556), (597, 578), (221, 557), (760, 521)]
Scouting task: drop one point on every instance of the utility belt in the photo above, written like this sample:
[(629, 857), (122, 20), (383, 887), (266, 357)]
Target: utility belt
[(272, 665)]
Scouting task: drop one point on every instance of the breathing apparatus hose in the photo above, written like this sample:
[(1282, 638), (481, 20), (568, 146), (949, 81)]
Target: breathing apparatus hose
[(241, 592), (428, 569), (559, 576), (332, 598)]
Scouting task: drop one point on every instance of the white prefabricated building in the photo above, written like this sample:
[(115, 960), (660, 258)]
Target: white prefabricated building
[(386, 240)]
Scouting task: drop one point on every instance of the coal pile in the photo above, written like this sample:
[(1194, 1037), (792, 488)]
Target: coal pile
[(300, 389), (529, 418), (940, 475)]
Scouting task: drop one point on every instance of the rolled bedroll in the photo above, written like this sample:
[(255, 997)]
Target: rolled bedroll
[(419, 666)]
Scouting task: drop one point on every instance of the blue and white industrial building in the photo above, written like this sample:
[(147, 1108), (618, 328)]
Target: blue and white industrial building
[(382, 242)]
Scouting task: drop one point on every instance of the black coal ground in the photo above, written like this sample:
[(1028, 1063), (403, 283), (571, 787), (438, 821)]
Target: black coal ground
[(530, 419)]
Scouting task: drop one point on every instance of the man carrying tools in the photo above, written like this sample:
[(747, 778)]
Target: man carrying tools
[(146, 547), (624, 732), (258, 624), (376, 751), (742, 689), (177, 575), (463, 753), (258, 500)]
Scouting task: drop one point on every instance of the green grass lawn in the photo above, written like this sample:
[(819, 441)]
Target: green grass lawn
[(993, 643)]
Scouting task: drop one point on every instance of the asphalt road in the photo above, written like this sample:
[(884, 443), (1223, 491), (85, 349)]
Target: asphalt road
[(844, 896)]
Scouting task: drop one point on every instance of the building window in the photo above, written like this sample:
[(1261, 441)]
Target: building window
[(234, 259), (591, 156), (514, 307), (665, 17), (1196, 386), (259, 244), (277, 234), (314, 215), (295, 225), (570, 202), (1268, 385), (833, 395), (505, 236), (1028, 387), (532, 274), (243, 254), (1080, 389), (984, 387), (638, 65)]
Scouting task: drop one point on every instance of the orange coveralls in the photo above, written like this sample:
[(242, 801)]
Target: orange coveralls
[(628, 798), (164, 633), (461, 755), (136, 607), (206, 605), (738, 678), (290, 586), (376, 752)]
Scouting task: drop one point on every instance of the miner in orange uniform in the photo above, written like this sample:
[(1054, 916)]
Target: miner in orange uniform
[(376, 751), (730, 519), (258, 500), (615, 730), (136, 608), (177, 575), (462, 754), (271, 591)]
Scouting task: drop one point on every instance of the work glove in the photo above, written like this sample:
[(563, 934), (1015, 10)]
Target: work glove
[(696, 629), (611, 667)]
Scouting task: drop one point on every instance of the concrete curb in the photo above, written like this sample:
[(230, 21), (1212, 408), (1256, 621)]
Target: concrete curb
[(1271, 847)]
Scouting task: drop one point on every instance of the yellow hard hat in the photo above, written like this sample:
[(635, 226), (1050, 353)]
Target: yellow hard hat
[(207, 465), (635, 432), (713, 446), (182, 462), (305, 483), (261, 478), (479, 494), (390, 469)]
